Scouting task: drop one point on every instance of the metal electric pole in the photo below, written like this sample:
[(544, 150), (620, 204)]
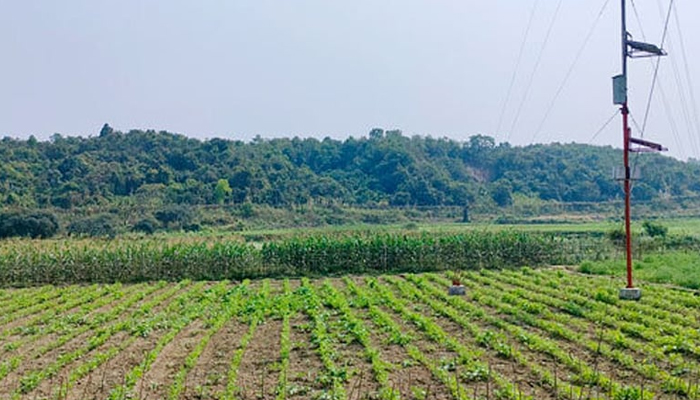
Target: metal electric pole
[(630, 49)]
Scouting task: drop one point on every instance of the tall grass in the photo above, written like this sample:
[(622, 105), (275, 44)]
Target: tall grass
[(673, 267)]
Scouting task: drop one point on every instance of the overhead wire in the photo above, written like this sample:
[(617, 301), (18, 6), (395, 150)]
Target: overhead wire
[(683, 104), (693, 102), (534, 70), (655, 78), (602, 128), (570, 70), (517, 66), (656, 67)]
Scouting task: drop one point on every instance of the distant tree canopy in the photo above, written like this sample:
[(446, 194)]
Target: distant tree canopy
[(28, 224), (385, 167)]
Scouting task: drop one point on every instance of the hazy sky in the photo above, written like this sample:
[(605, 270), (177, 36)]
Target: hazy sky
[(235, 69)]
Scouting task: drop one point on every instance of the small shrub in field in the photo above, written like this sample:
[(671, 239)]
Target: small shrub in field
[(616, 235), (654, 230)]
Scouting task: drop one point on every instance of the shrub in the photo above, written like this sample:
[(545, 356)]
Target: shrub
[(174, 214), (36, 224), (654, 230), (146, 225), (97, 225), (616, 235)]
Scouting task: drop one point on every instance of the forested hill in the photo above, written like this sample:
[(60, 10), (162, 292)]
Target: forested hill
[(383, 168)]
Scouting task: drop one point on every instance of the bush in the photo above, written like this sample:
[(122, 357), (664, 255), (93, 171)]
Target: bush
[(616, 235), (174, 214), (98, 225), (36, 224), (146, 225), (654, 230)]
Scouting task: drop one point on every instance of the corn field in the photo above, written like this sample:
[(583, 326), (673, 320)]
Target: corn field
[(25, 262)]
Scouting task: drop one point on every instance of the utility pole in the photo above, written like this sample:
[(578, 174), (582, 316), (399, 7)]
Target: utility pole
[(630, 49)]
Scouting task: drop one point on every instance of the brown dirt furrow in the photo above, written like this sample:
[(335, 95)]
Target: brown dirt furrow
[(360, 380), (408, 377), (519, 375), (49, 388), (607, 366), (304, 363), (208, 376), (33, 321), (12, 380), (112, 372), (258, 373), (155, 383), (41, 338)]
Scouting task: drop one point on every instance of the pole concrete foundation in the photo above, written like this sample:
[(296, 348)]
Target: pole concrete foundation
[(457, 290), (630, 294)]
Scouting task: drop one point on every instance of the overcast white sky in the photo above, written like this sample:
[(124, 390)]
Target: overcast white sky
[(235, 69)]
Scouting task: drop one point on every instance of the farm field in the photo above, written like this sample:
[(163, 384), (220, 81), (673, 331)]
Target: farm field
[(517, 334)]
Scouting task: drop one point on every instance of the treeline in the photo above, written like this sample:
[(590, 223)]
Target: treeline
[(384, 168)]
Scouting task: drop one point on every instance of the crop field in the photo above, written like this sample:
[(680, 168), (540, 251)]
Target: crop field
[(517, 334)]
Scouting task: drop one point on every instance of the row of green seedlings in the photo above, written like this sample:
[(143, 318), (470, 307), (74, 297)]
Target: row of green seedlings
[(100, 329), (359, 332), (677, 348), (382, 320), (658, 336), (182, 313), (555, 325), (619, 336), (660, 302), (231, 304), (496, 385), (45, 305), (64, 317), (26, 298), (65, 327), (334, 376), (287, 307), (670, 298), (534, 314), (253, 313), (630, 314), (584, 380)]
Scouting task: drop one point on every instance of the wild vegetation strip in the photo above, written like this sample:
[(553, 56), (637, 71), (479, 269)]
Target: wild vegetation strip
[(527, 334)]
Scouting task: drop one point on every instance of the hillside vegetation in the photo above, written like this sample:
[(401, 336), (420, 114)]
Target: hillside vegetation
[(384, 167), (157, 170)]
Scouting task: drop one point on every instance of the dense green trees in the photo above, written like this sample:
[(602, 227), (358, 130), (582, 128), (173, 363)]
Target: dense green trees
[(384, 168)]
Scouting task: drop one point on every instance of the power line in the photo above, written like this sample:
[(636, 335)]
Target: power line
[(517, 66), (570, 70), (534, 70), (691, 90), (602, 128), (656, 70)]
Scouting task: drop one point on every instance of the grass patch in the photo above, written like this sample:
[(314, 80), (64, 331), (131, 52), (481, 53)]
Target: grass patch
[(676, 267)]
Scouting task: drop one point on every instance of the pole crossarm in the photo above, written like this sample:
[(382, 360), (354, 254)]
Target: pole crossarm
[(651, 146), (641, 49)]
